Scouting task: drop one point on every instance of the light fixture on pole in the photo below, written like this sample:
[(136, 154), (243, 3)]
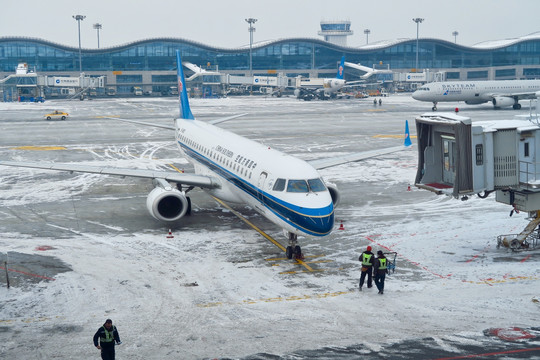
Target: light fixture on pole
[(98, 27), (455, 33), (79, 18), (417, 21), (251, 29), (367, 32)]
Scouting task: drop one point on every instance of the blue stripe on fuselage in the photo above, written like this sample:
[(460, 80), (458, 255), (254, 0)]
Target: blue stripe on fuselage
[(315, 222)]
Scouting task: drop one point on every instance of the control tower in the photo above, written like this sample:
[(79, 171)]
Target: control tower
[(336, 32)]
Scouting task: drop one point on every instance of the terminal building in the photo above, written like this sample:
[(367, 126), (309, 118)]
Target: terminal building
[(150, 63)]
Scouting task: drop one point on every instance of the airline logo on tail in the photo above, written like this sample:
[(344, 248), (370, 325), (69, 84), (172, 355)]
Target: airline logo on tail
[(185, 111), (407, 141), (341, 68)]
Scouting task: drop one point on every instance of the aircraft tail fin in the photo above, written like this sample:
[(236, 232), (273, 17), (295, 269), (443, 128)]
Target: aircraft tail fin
[(185, 110), (407, 141), (341, 68)]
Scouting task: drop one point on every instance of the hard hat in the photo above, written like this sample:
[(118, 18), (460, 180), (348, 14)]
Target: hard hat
[(368, 248)]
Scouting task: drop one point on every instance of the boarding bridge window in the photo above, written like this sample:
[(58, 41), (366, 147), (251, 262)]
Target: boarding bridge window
[(297, 186), (526, 149), (316, 185), (479, 154), (279, 185)]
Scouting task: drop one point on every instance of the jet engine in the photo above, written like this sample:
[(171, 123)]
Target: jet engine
[(334, 193), (166, 203), (502, 101)]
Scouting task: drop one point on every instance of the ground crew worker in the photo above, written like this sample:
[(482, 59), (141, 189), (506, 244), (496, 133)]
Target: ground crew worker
[(366, 258), (381, 269), (107, 335)]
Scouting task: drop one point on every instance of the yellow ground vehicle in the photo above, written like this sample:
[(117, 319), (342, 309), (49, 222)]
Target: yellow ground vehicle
[(57, 115)]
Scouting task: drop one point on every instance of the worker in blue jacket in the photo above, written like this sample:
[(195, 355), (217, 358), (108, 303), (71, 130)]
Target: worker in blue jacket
[(380, 271), (107, 336)]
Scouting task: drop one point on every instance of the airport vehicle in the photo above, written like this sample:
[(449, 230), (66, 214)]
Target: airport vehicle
[(286, 190), (501, 93), (57, 115), (137, 91)]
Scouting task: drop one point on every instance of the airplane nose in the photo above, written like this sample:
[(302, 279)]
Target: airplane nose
[(415, 95)]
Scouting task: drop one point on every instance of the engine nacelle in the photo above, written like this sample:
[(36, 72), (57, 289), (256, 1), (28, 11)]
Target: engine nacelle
[(502, 101), (334, 193), (167, 204)]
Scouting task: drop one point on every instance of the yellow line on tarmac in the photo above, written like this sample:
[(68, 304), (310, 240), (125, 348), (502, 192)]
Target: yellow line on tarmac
[(45, 148), (268, 237), (277, 299), (392, 136)]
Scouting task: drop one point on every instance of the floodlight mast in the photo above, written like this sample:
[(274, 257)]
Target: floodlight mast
[(251, 29), (417, 21), (79, 18)]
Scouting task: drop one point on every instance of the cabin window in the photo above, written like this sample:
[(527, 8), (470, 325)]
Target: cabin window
[(297, 186), (279, 185), (316, 185)]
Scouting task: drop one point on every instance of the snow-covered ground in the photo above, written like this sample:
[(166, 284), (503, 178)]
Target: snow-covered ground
[(218, 288)]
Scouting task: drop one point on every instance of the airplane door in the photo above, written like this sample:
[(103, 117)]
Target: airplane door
[(260, 186), (449, 159)]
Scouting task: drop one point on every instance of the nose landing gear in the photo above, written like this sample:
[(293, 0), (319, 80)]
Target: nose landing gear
[(293, 250)]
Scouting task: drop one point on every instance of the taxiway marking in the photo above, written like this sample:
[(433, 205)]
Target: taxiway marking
[(268, 237), (277, 299)]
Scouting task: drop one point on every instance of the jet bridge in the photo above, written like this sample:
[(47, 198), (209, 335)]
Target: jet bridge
[(460, 158)]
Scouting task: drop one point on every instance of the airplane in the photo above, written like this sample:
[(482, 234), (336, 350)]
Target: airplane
[(500, 93), (308, 89), (284, 189), (369, 72)]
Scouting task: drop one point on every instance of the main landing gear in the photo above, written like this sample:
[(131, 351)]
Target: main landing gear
[(434, 108), (293, 250)]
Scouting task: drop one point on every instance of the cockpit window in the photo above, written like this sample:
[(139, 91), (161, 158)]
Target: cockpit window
[(297, 186), (316, 185), (279, 185)]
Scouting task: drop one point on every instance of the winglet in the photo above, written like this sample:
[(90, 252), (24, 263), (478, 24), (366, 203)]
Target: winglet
[(341, 68), (185, 111), (407, 141)]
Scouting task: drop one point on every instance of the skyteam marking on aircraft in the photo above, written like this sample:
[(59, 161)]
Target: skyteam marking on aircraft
[(500, 93), (286, 190)]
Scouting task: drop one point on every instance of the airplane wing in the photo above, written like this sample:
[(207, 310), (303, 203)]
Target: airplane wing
[(173, 176), (171, 127), (344, 159), (519, 96), (339, 160)]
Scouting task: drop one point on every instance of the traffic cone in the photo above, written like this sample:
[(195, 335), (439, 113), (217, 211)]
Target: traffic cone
[(341, 227), (170, 236), (409, 188)]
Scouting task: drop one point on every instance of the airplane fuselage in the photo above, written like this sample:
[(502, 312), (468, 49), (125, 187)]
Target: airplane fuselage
[(285, 189), (500, 92)]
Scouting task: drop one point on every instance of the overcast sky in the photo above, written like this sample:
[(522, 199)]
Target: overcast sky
[(222, 23)]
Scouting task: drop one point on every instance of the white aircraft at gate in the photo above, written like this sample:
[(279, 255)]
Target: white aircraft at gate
[(500, 93), (286, 190)]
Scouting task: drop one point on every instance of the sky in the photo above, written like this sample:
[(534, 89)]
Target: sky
[(222, 23)]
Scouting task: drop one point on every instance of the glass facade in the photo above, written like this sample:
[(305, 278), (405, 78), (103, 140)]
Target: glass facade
[(288, 54)]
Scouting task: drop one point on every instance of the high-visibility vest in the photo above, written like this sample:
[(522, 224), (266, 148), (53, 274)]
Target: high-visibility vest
[(109, 337), (366, 259), (382, 263)]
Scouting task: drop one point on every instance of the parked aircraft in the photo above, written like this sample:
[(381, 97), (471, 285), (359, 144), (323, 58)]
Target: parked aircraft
[(500, 93), (307, 89), (286, 190), (369, 72)]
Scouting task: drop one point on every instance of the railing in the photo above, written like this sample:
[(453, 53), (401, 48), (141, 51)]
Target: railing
[(529, 174)]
